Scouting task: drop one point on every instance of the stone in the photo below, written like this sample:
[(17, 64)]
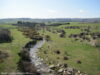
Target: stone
[(76, 73), (65, 73), (58, 65), (70, 69), (79, 71), (60, 70), (52, 67), (69, 73)]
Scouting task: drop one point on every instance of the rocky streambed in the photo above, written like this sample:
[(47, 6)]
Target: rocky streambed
[(42, 68)]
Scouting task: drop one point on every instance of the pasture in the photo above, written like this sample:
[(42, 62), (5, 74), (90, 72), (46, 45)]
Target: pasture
[(72, 49)]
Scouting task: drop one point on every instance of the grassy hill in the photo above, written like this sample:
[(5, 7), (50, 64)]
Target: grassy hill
[(73, 50)]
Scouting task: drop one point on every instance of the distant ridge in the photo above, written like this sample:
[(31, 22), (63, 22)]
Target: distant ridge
[(14, 20)]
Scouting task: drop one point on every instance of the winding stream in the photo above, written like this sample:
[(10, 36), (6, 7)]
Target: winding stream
[(40, 65)]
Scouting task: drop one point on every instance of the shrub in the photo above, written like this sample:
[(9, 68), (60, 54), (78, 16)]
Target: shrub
[(48, 38), (97, 44), (5, 36), (63, 33)]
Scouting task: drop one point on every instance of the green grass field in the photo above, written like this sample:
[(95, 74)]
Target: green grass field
[(75, 50), (19, 40)]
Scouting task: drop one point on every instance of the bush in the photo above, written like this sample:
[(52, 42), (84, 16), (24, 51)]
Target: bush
[(27, 67), (48, 38), (5, 36), (31, 33), (63, 33), (24, 54), (30, 44)]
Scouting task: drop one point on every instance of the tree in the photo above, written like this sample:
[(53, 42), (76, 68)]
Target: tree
[(19, 22)]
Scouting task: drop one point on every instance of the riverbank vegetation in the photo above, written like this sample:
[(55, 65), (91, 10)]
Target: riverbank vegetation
[(5, 36), (25, 64), (12, 49)]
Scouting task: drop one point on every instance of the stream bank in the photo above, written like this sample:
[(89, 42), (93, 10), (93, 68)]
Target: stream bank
[(31, 64)]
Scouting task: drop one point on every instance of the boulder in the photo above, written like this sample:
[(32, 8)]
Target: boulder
[(60, 70), (53, 67), (70, 69)]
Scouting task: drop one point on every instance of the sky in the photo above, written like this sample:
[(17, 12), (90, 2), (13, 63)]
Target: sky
[(49, 8)]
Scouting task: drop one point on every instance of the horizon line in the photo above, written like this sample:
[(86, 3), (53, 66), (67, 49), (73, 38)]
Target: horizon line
[(52, 18)]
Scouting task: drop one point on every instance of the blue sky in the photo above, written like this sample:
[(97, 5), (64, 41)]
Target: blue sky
[(49, 8)]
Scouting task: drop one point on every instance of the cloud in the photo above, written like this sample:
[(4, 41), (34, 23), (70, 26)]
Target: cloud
[(52, 11), (82, 11)]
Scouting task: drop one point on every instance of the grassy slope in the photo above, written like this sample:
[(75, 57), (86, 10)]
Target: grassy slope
[(10, 65), (75, 50)]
